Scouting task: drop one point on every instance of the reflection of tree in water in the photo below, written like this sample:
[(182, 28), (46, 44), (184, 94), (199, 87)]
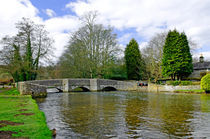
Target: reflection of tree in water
[(160, 115), (205, 103), (174, 112), (135, 110), (91, 115)]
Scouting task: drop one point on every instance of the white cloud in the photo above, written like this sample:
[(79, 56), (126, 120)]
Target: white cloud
[(11, 11), (146, 17), (62, 24), (61, 40), (149, 16), (50, 12), (124, 39), (143, 45), (60, 29)]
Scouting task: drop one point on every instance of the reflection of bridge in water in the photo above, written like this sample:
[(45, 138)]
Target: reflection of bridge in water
[(39, 87)]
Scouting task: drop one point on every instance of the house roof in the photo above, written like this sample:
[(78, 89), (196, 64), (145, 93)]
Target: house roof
[(201, 65)]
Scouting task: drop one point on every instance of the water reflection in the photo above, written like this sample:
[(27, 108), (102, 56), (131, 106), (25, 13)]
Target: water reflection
[(127, 115), (173, 113)]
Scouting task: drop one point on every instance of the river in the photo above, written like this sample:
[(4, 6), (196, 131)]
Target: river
[(124, 115)]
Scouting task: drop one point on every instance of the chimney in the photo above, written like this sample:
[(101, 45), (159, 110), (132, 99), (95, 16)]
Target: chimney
[(201, 59)]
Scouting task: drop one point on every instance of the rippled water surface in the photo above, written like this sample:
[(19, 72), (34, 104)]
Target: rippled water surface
[(127, 115)]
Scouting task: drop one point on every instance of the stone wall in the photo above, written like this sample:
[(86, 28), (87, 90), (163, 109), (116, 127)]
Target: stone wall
[(49, 83), (27, 88), (126, 85), (170, 88), (142, 88)]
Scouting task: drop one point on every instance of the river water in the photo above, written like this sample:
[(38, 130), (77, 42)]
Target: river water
[(124, 115)]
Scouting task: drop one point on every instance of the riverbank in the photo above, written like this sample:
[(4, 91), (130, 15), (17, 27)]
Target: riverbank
[(195, 91), (20, 117)]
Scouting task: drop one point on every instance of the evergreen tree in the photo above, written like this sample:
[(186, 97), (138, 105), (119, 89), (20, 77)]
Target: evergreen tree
[(135, 65), (177, 59), (184, 58), (18, 71), (28, 60), (169, 51)]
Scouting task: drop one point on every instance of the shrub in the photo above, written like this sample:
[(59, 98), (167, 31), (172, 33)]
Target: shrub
[(174, 83), (196, 83), (185, 83), (205, 83)]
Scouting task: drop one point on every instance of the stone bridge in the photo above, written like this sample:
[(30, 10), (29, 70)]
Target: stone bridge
[(38, 88)]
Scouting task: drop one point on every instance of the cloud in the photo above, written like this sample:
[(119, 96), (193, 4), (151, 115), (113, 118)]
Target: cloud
[(143, 17), (66, 23), (50, 12), (11, 11), (61, 40), (125, 38), (150, 17)]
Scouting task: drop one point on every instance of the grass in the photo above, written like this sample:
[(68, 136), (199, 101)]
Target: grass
[(190, 91), (12, 108), (7, 91)]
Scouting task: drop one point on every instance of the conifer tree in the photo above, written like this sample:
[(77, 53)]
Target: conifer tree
[(177, 59), (184, 58), (169, 54), (135, 65)]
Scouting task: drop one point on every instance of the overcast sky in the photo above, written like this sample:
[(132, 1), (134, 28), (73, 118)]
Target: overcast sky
[(139, 19)]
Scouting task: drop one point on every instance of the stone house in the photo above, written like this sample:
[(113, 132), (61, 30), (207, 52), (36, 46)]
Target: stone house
[(200, 67)]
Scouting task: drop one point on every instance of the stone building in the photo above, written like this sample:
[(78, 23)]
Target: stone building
[(200, 67)]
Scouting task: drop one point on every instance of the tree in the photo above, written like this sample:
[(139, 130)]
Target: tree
[(135, 65), (22, 53), (177, 59), (152, 54), (184, 58), (90, 51)]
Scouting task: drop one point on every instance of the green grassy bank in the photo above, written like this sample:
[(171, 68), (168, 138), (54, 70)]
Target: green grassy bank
[(20, 117), (190, 91)]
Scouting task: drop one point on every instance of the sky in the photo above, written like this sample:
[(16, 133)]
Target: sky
[(139, 19)]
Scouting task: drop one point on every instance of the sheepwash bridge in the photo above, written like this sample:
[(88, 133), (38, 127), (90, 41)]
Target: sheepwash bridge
[(38, 88)]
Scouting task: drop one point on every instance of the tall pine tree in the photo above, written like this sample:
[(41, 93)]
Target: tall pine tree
[(177, 59), (135, 65), (184, 58)]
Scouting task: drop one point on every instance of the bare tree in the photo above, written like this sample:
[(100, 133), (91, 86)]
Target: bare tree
[(153, 55), (22, 53), (90, 49)]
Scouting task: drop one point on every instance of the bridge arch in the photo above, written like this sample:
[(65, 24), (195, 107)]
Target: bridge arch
[(109, 88), (80, 89)]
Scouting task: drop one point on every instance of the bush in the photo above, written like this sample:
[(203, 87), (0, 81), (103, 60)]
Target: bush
[(196, 83), (175, 83), (185, 83), (205, 83)]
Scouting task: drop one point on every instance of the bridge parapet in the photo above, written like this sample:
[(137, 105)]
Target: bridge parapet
[(36, 90), (37, 87)]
